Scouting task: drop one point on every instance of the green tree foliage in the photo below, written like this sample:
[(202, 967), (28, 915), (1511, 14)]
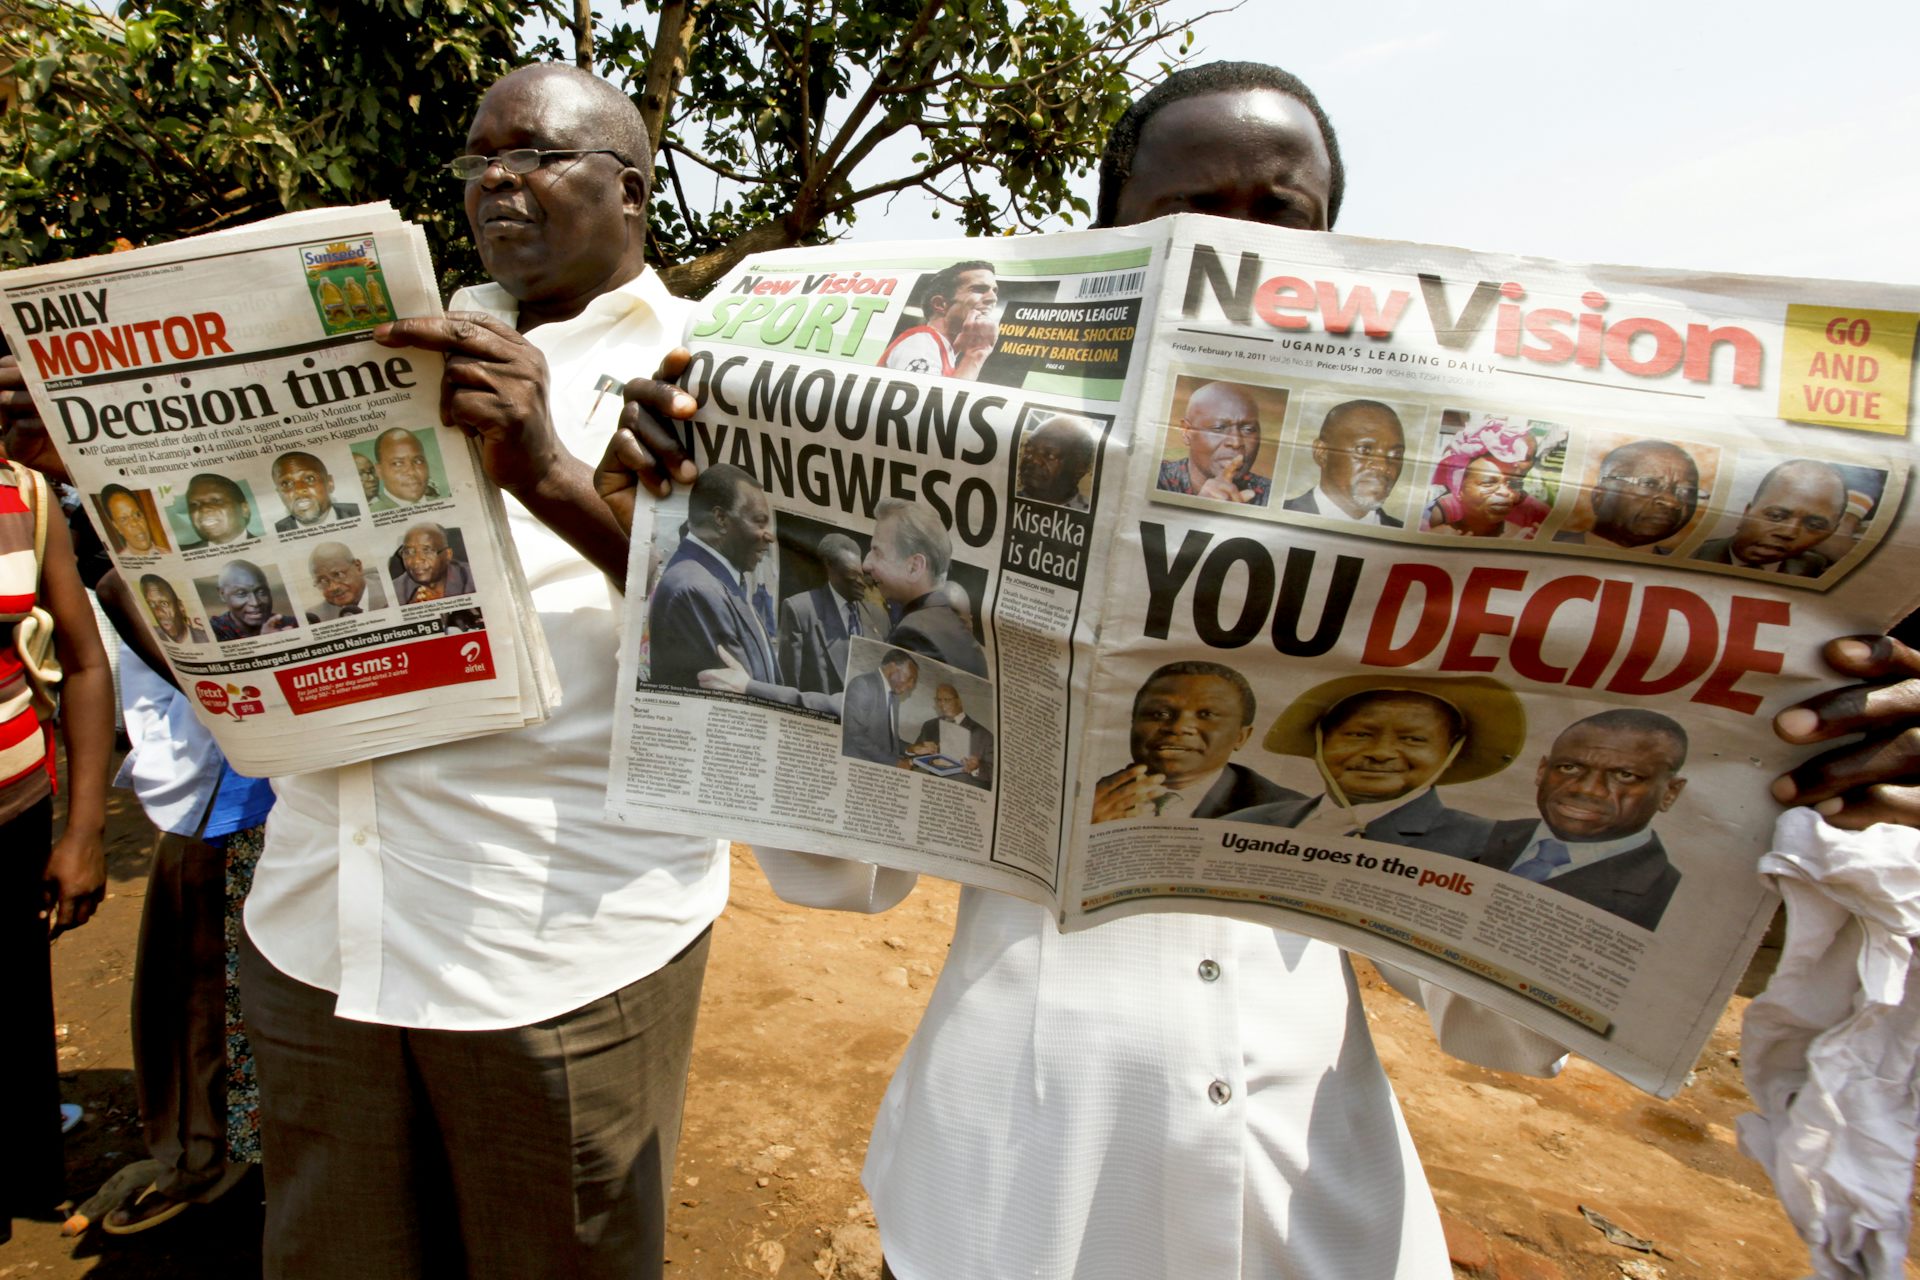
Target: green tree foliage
[(773, 109), (183, 117), (186, 116)]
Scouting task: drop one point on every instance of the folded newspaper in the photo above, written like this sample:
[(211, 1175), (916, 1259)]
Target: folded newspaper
[(1427, 602), (324, 565)]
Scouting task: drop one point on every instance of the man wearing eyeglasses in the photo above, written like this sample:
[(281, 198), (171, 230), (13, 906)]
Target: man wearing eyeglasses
[(345, 589), (472, 998), (1646, 492), (1221, 429), (1360, 451)]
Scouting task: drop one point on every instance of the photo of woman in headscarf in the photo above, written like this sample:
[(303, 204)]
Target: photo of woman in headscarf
[(1478, 488)]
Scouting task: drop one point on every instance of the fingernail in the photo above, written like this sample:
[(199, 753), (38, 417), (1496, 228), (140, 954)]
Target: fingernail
[(1783, 790), (1827, 808), (1854, 650), (1796, 722), (686, 472), (685, 404)]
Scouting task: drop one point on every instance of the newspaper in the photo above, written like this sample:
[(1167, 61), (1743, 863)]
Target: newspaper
[(1434, 604), (322, 563)]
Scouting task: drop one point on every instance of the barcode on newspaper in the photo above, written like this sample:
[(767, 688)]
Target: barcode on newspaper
[(1109, 285)]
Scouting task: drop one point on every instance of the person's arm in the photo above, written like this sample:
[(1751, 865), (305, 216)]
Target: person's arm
[(495, 391), (1474, 1033), (1875, 778), (833, 884), (76, 875)]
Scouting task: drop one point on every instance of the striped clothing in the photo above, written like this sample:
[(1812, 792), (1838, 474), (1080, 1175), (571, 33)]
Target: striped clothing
[(26, 764)]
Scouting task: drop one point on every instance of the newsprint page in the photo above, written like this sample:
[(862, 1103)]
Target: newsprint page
[(1431, 603), (323, 564)]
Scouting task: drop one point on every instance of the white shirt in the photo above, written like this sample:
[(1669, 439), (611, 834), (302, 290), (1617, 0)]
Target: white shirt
[(1166, 1095), (1581, 853), (1323, 503), (479, 884), (173, 766)]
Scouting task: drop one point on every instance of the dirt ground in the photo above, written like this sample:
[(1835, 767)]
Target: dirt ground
[(806, 1014)]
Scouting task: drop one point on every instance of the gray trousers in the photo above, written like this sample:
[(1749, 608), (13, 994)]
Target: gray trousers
[(180, 1016), (545, 1150)]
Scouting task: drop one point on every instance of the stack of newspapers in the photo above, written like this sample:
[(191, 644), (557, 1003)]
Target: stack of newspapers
[(326, 567)]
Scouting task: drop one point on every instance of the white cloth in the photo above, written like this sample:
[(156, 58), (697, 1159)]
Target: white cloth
[(1166, 1095), (479, 884), (1323, 503), (1831, 1049), (173, 766)]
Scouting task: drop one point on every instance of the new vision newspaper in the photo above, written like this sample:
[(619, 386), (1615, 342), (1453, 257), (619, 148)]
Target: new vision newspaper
[(324, 565), (1431, 603)]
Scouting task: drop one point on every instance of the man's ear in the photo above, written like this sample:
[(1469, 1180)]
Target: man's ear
[(937, 306), (635, 188)]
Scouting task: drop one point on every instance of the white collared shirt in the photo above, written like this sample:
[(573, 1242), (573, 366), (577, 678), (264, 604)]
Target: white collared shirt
[(1581, 853), (1323, 503), (479, 884)]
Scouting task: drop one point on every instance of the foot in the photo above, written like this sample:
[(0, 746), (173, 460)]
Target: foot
[(143, 1210)]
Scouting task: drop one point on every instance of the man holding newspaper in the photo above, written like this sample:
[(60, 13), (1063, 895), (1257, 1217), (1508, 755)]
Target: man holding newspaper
[(459, 970)]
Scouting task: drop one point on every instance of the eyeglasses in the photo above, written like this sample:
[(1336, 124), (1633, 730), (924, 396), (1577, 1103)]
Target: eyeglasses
[(1654, 487), (521, 160)]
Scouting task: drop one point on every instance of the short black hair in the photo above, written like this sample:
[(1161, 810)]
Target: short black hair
[(155, 580), (1345, 407), (947, 279), (1197, 667), (717, 489), (1636, 720), (115, 491), (1116, 162)]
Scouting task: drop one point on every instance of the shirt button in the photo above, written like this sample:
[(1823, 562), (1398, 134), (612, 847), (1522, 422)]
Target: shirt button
[(359, 837), (1209, 971), (1219, 1093)]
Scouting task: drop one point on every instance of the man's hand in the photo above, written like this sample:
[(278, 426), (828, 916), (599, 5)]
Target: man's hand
[(730, 677), (644, 452), (1220, 486), (75, 881), (281, 622), (1130, 793), (1876, 779), (495, 390), (22, 434), (974, 343), (971, 764), (924, 749)]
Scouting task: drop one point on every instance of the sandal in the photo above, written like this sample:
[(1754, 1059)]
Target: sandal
[(142, 1211)]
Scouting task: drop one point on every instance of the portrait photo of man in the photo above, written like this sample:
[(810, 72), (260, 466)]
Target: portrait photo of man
[(870, 720), (816, 626), (429, 568), (960, 327), (170, 617), (908, 561), (404, 469), (1359, 452), (1188, 720), (703, 603), (254, 605), (1056, 457), (1796, 506), (305, 487), (219, 512), (1599, 788), (1382, 745), (342, 581), (129, 526), (954, 735), (1219, 431), (369, 476), (1643, 494)]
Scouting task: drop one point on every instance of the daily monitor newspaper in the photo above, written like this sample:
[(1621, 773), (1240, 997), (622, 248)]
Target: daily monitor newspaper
[(1431, 603), (323, 564)]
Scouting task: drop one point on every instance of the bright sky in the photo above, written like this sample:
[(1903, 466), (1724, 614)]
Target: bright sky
[(1765, 137)]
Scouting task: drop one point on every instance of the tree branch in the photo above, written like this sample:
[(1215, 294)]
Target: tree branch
[(672, 46)]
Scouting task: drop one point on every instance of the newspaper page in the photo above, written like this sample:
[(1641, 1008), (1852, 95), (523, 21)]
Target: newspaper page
[(323, 564), (868, 629), (1430, 603), (1469, 661)]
